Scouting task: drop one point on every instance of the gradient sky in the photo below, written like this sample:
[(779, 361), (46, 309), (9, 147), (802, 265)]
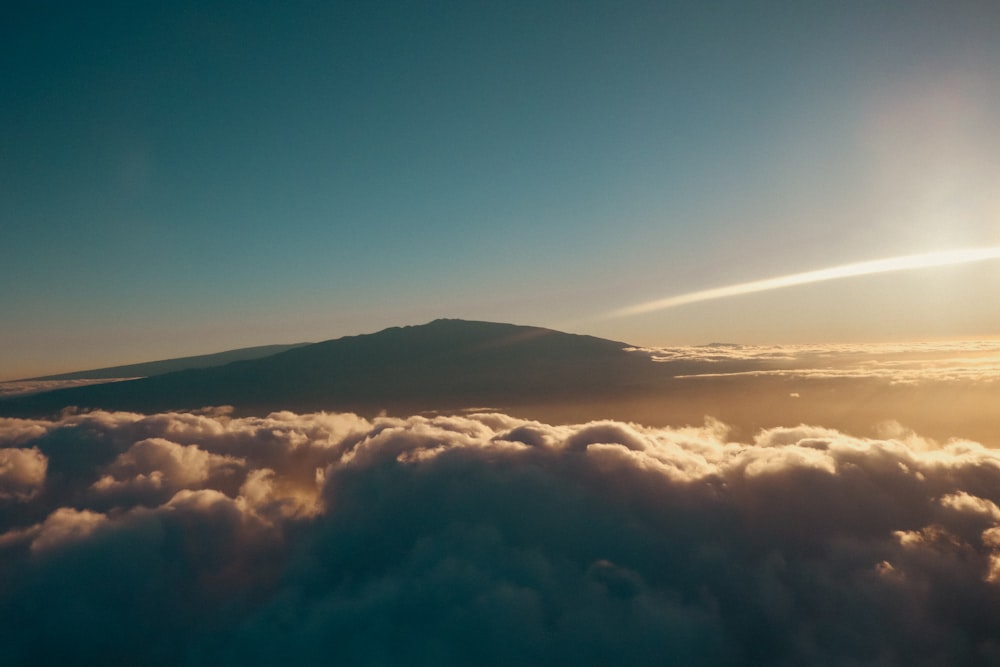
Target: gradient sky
[(181, 178)]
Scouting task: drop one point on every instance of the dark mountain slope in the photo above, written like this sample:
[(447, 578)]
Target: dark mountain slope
[(446, 364), (172, 365)]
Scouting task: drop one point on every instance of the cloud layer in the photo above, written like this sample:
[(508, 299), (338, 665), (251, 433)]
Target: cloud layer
[(201, 538), (896, 363), (23, 387)]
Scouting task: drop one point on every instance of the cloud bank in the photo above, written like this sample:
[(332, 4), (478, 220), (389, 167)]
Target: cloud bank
[(24, 387), (201, 538), (976, 361)]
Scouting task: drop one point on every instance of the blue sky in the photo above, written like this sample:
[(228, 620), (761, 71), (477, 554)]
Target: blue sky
[(181, 178)]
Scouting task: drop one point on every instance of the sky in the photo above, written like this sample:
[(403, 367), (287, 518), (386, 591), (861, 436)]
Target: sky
[(183, 178)]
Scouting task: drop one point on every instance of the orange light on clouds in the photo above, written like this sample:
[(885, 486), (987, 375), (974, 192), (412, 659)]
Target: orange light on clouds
[(887, 265)]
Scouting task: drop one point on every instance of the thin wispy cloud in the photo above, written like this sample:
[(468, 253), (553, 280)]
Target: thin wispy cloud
[(887, 265), (24, 387)]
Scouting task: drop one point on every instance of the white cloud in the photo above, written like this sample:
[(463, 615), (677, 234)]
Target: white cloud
[(897, 363), (25, 387), (15, 432), (22, 473), (66, 525), (485, 537), (173, 464)]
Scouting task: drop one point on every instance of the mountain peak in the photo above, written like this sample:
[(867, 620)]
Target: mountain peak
[(443, 364)]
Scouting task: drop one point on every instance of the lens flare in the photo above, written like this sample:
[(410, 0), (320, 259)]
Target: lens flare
[(887, 265)]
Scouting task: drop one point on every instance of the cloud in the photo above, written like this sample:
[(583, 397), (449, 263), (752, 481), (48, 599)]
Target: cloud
[(25, 387), (15, 432), (156, 468), (886, 265), (896, 363), (65, 525), (204, 538), (22, 473)]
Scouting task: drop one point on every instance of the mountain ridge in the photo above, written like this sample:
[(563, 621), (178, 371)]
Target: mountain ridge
[(444, 364), (161, 366), (453, 366)]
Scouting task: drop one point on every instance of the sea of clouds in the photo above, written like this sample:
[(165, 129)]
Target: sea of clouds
[(976, 361), (299, 539)]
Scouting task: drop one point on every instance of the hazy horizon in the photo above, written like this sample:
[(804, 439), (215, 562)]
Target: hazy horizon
[(874, 342)]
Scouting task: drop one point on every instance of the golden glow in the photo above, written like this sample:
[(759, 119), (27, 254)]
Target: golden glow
[(888, 265)]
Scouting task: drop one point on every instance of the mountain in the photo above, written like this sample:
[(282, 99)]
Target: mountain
[(443, 365), (454, 365), (171, 365)]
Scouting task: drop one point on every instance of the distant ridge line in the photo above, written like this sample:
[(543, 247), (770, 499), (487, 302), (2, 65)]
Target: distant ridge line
[(159, 367), (445, 364)]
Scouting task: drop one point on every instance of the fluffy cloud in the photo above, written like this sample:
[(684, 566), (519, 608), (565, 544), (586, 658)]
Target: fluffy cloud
[(14, 432), (202, 538), (22, 473), (156, 468)]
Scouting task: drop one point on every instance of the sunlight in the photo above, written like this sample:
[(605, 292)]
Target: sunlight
[(887, 265)]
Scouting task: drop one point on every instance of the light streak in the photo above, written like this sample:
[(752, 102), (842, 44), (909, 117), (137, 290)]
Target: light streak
[(887, 265)]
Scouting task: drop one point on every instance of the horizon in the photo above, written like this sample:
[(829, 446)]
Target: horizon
[(873, 343), (453, 366)]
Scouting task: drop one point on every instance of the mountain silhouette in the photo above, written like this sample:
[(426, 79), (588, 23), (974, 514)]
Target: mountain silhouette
[(171, 365), (443, 365), (449, 366)]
